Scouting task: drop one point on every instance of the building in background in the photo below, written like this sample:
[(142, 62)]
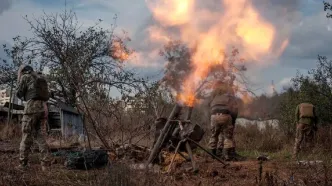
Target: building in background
[(16, 111), (132, 104), (5, 97), (64, 119)]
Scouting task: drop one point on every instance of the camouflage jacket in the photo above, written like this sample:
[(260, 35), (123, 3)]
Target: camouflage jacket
[(218, 101), (308, 121), (32, 106)]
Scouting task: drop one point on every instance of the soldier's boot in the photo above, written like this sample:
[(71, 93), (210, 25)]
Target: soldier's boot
[(227, 154), (219, 152), (213, 151), (236, 156)]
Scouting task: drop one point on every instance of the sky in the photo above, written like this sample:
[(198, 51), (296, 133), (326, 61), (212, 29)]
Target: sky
[(305, 20)]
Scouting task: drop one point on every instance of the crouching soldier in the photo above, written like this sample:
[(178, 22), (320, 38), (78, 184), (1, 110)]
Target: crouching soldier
[(33, 89), (306, 121)]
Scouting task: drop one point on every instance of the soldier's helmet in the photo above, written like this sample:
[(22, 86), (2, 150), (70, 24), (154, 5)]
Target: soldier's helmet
[(23, 69), (27, 68)]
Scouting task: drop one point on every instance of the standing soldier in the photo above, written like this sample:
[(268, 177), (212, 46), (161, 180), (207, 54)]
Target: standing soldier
[(33, 89), (223, 106), (306, 120)]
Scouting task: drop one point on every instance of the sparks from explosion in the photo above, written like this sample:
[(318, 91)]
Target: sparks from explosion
[(239, 24)]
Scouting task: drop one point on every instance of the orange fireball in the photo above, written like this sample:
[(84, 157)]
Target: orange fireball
[(239, 24)]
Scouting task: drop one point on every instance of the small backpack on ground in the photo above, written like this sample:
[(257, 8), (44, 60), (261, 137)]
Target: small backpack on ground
[(306, 110), (39, 89)]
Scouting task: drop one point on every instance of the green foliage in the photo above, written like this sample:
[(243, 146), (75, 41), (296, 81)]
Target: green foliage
[(286, 109)]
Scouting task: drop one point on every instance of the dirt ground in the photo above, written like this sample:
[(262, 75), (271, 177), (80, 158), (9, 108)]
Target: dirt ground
[(211, 172)]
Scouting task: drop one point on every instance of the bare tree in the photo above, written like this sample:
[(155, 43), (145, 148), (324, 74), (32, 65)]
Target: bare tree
[(90, 59), (82, 64)]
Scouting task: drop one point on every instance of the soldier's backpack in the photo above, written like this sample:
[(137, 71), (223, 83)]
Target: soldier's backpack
[(306, 110), (39, 89)]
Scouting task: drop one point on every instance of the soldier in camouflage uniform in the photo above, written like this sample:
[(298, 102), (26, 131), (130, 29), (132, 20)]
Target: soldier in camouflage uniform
[(221, 137), (306, 120), (33, 116), (223, 106)]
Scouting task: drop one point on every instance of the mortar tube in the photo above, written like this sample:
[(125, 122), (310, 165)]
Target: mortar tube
[(156, 148), (189, 112)]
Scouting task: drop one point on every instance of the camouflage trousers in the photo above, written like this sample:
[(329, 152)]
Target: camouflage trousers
[(221, 132), (304, 133), (32, 125), (221, 139)]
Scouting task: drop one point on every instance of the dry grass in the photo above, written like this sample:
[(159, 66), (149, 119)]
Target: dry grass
[(324, 139), (266, 140), (10, 131), (250, 142), (211, 173)]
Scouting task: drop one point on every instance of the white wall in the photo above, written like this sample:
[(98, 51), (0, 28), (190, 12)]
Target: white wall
[(5, 97), (260, 123)]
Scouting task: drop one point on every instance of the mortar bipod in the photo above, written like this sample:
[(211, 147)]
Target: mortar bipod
[(186, 139)]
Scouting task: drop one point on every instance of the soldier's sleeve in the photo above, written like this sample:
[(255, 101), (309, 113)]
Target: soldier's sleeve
[(22, 87)]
